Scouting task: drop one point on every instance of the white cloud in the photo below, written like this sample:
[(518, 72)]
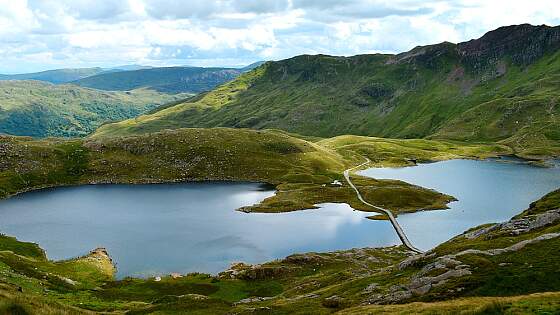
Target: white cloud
[(41, 34)]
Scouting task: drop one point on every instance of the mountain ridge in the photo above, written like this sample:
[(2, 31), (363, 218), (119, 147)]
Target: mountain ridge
[(56, 76), (163, 79), (179, 79), (68, 75), (418, 94)]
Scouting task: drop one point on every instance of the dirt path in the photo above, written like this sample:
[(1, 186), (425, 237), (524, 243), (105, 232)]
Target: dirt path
[(389, 214)]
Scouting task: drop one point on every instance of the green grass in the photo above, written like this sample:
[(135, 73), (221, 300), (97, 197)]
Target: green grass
[(395, 195), (182, 112), (544, 303), (530, 271), (385, 152), (8, 243)]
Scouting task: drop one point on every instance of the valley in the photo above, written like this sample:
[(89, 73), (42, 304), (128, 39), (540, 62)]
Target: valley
[(317, 184), (34, 108), (75, 102)]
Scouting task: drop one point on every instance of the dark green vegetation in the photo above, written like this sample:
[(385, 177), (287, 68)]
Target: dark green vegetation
[(301, 169), (491, 269), (41, 109), (503, 87), (38, 109), (167, 80), (55, 76)]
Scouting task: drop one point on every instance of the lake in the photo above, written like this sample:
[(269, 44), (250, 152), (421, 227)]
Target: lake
[(487, 191), (159, 229)]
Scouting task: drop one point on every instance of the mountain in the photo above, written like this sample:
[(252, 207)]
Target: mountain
[(130, 68), (502, 87), (55, 76), (40, 109), (252, 66), (167, 80)]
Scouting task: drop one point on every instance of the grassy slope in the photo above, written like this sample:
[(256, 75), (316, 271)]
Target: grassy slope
[(428, 92), (177, 116), (301, 169), (167, 80), (318, 283), (385, 152), (40, 109), (524, 112), (537, 303)]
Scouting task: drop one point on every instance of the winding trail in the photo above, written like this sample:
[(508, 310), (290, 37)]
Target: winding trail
[(389, 214)]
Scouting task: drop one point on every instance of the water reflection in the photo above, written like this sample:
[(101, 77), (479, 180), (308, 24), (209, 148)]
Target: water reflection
[(158, 229)]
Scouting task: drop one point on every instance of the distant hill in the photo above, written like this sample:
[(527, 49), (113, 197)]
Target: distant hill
[(39, 109), (130, 67), (60, 76), (252, 66), (167, 80), (55, 76), (504, 86)]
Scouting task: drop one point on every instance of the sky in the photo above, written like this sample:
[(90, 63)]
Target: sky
[(38, 35)]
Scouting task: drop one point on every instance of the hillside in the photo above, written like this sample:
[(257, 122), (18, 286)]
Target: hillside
[(167, 80), (38, 109), (56, 76), (252, 66), (501, 87), (297, 167)]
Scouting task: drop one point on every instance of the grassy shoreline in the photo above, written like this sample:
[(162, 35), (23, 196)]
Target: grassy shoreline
[(301, 170)]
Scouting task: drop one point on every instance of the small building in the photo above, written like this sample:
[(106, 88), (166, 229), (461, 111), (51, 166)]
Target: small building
[(336, 183)]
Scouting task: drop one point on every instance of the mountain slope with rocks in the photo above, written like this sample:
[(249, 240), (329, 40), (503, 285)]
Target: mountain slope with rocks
[(501, 87)]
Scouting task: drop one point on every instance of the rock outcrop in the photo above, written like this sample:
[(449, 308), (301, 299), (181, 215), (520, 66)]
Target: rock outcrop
[(244, 271), (437, 270), (517, 226)]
